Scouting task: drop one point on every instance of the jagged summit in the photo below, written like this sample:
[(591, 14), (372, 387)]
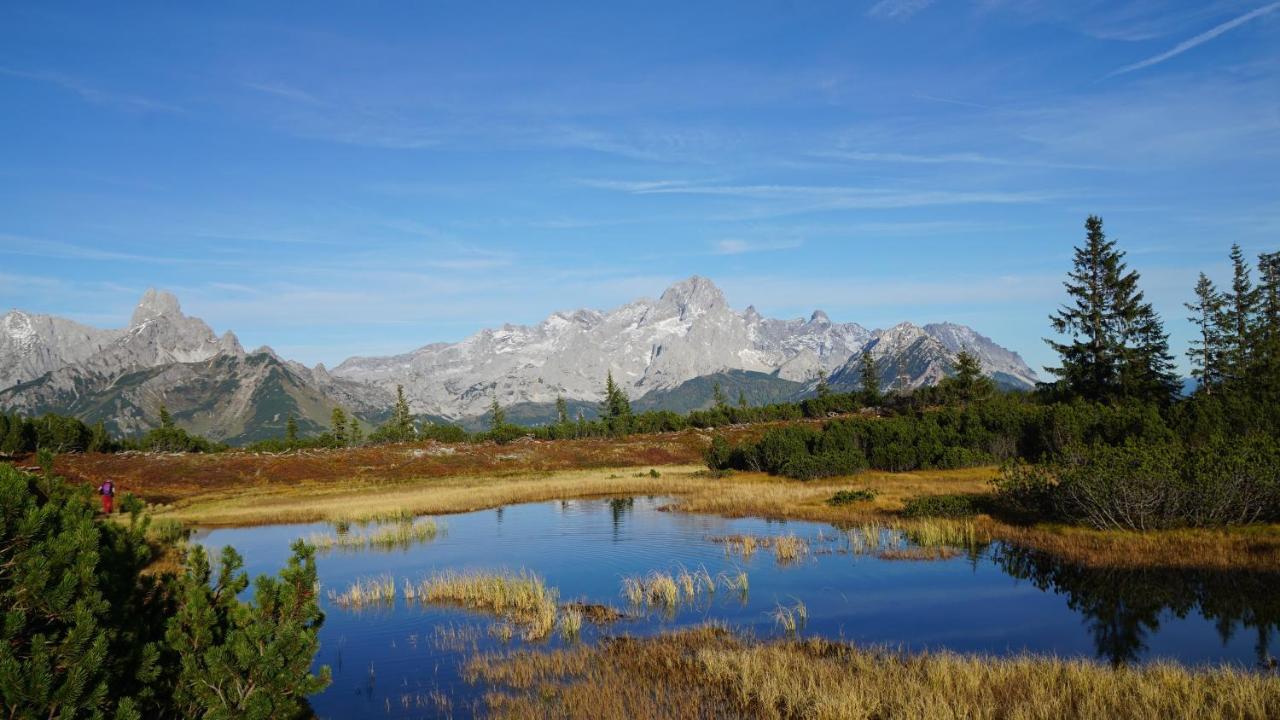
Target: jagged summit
[(156, 303), (648, 345), (692, 296), (689, 332)]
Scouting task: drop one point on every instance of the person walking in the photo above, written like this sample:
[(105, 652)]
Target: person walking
[(108, 492)]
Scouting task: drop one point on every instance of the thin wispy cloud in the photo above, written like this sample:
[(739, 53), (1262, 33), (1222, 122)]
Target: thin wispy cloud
[(634, 186), (898, 9), (93, 94), (1198, 40), (285, 92), (829, 197), (952, 101), (733, 246), (34, 247), (957, 158)]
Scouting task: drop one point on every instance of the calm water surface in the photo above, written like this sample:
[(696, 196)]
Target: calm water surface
[(397, 661)]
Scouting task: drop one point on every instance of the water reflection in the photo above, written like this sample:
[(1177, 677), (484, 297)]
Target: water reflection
[(1122, 607), (619, 508), (867, 585)]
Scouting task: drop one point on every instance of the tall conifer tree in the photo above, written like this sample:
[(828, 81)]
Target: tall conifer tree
[(1116, 347), (1238, 317), (869, 378), (1205, 351), (616, 408)]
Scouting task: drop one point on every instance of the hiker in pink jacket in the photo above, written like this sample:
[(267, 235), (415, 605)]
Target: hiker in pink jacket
[(108, 492)]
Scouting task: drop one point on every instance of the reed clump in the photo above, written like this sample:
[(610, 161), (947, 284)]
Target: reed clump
[(941, 552), (366, 592), (786, 548), (668, 590), (789, 548), (792, 618), (570, 623), (522, 599), (401, 534), (712, 672)]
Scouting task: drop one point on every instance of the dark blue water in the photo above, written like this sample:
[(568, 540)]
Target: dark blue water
[(405, 661)]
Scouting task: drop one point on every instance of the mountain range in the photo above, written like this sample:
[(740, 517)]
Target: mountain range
[(666, 353)]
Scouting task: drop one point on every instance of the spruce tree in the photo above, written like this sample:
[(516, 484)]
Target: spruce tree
[(824, 388), (166, 420), (869, 379), (968, 383), (616, 409), (401, 417), (338, 423), (901, 378), (718, 398), (1147, 370), (497, 417), (354, 429), (1205, 350), (1116, 347), (562, 410), (742, 399), (1265, 376), (291, 431), (99, 440), (1239, 307)]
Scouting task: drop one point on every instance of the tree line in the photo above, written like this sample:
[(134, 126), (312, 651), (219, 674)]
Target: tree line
[(1110, 442), (65, 434)]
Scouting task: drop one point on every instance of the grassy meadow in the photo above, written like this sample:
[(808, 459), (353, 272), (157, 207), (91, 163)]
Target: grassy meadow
[(711, 672)]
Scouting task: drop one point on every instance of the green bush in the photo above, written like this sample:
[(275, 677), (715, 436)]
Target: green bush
[(832, 464), (941, 506), (1144, 486), (1133, 486), (87, 634), (848, 497), (1026, 489), (719, 454), (780, 446)]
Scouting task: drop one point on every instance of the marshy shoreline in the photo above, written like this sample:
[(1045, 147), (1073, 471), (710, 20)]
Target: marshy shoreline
[(242, 489)]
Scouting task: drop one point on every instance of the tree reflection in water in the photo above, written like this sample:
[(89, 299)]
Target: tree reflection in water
[(1124, 605)]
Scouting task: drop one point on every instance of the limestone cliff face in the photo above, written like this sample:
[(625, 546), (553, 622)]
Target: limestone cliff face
[(650, 345), (122, 377), (212, 385)]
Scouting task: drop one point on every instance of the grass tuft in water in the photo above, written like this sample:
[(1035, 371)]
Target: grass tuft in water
[(666, 591), (791, 619), (522, 599), (570, 623), (402, 534), (789, 548), (366, 592)]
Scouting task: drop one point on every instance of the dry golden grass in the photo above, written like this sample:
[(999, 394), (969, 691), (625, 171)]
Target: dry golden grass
[(712, 673), (365, 593), (521, 599), (398, 535), (668, 590), (341, 501)]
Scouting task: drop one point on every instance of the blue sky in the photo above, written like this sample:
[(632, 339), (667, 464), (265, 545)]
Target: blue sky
[(365, 178)]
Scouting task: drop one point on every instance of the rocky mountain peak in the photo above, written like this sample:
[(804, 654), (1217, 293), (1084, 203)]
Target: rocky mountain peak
[(692, 297), (820, 318), (17, 325), (229, 343), (154, 304)]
